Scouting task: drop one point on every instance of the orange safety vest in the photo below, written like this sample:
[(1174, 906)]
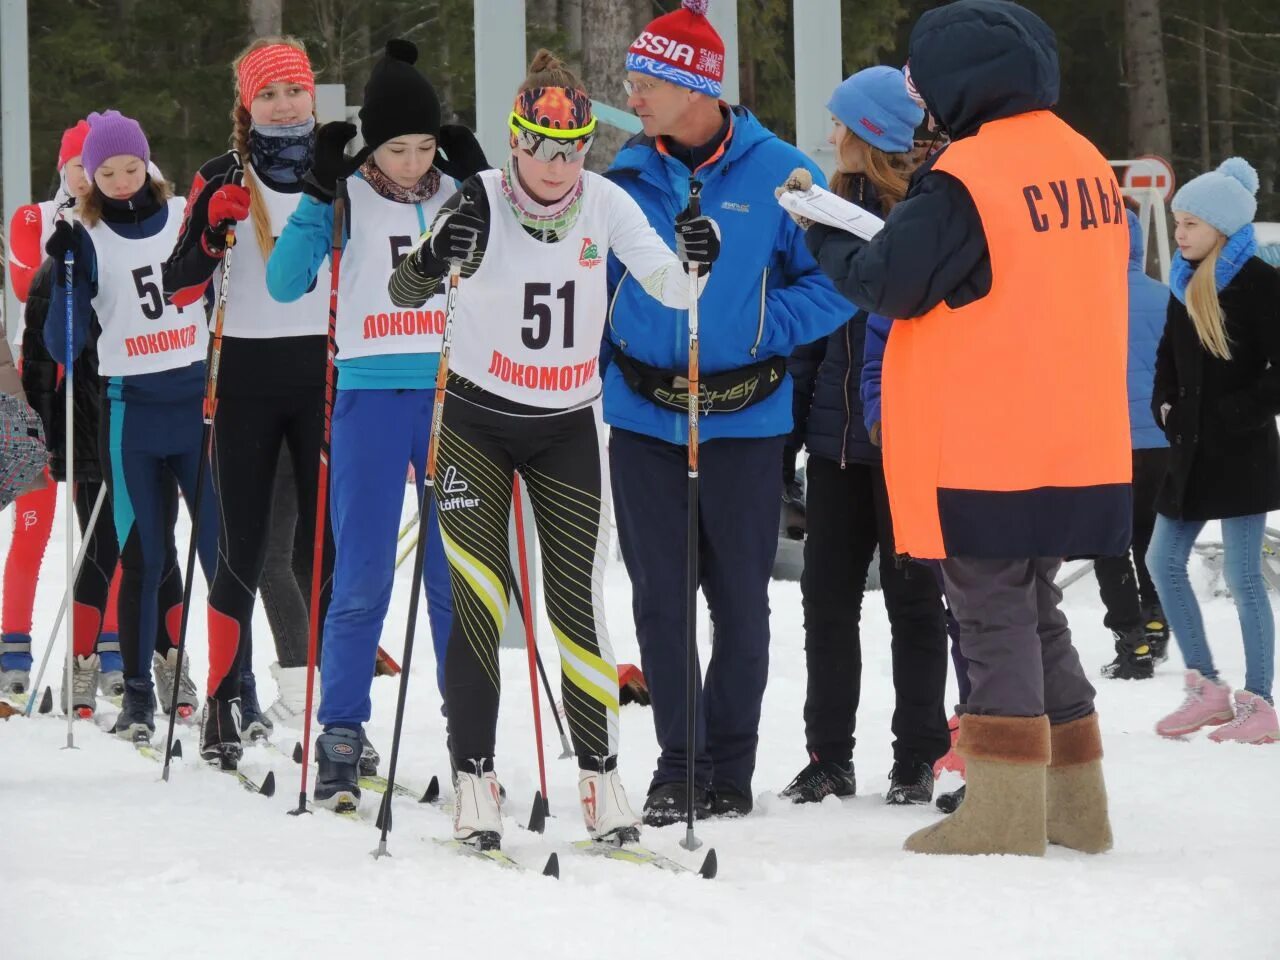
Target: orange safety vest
[(1005, 421)]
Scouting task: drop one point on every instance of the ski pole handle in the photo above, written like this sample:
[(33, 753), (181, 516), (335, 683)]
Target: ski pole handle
[(695, 197)]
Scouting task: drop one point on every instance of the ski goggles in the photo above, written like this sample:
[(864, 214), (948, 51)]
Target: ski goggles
[(547, 144), (551, 122)]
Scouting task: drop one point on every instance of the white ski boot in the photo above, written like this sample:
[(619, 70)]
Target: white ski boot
[(477, 810), (290, 703), (188, 696), (608, 815), (84, 687)]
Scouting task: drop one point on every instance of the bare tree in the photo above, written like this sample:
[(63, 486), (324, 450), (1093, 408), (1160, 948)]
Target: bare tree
[(1149, 121), (1226, 135), (604, 67), (266, 18), (1202, 92)]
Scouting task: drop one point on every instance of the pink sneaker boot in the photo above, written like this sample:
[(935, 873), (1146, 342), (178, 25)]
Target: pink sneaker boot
[(1207, 703), (1255, 722)]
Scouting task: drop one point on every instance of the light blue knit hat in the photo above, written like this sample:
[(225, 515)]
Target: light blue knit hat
[(874, 103), (1226, 198)]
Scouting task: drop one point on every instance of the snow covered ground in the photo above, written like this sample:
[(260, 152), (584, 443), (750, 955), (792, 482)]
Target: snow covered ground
[(102, 859)]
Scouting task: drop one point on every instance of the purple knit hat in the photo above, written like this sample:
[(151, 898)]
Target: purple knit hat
[(111, 134)]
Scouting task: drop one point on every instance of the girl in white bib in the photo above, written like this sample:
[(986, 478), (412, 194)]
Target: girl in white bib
[(386, 368), (532, 239), (151, 355)]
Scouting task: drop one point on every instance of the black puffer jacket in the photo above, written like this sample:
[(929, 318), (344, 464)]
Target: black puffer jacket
[(42, 379), (1224, 451), (828, 376)]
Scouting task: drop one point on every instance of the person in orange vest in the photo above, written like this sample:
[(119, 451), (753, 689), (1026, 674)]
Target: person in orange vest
[(1004, 410)]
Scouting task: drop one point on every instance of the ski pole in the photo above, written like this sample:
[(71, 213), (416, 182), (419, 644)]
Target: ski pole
[(322, 485), (420, 553), (690, 841), (205, 465), (566, 750), (530, 637), (68, 377), (66, 596)]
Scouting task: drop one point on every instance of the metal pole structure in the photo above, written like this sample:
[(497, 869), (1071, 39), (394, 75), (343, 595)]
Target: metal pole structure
[(818, 72), (15, 116), (724, 17), (500, 68)]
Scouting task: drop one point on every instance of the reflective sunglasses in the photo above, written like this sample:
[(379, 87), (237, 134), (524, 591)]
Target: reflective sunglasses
[(546, 143)]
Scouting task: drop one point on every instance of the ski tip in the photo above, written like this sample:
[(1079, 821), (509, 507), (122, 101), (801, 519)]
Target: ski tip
[(538, 816), (710, 865), (46, 702), (268, 788), (297, 752), (552, 869), (383, 822), (432, 793), (176, 752)]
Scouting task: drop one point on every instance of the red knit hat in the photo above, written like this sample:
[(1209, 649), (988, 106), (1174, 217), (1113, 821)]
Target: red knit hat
[(682, 48), (274, 63), (72, 142)]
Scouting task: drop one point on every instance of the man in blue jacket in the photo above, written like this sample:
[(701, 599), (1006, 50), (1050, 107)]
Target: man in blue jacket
[(1134, 616), (765, 297)]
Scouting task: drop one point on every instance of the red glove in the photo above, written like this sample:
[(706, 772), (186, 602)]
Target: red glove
[(229, 203)]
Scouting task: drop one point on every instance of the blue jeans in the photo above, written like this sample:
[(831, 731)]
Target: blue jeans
[(376, 435), (1167, 557)]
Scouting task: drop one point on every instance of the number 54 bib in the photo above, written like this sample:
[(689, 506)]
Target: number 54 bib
[(141, 331)]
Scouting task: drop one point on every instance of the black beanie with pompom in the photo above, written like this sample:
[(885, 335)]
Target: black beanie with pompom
[(398, 100)]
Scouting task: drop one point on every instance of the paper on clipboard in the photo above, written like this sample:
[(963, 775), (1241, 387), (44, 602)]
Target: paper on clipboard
[(823, 206)]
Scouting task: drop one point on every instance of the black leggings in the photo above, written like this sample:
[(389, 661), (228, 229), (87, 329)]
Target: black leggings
[(1126, 587), (96, 624), (848, 511), (250, 433), (558, 456)]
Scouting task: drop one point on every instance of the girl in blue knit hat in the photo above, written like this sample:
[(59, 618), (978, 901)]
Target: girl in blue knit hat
[(873, 124), (1217, 395)]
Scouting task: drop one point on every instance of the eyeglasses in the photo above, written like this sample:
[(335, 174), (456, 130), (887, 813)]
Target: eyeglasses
[(541, 145), (641, 88)]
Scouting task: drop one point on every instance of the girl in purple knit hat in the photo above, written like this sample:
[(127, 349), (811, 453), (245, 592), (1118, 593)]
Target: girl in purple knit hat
[(151, 357)]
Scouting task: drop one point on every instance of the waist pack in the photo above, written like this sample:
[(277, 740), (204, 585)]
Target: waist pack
[(726, 392)]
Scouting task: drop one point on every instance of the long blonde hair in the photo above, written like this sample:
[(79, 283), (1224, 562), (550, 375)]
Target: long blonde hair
[(889, 173), (1203, 305), (241, 124)]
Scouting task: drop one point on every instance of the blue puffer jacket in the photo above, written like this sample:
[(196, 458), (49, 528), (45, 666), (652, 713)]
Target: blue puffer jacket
[(828, 377), (1148, 303), (765, 297)]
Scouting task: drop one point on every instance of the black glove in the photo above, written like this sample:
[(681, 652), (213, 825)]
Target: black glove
[(458, 235), (697, 239), (462, 155), (331, 163), (66, 237)]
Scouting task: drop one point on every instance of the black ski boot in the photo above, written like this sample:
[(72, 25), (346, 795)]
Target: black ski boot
[(220, 732), (667, 803), (910, 782), (137, 719), (728, 801), (821, 778), (793, 510), (338, 756), (1157, 630), (950, 802), (369, 757), (254, 724), (1134, 659)]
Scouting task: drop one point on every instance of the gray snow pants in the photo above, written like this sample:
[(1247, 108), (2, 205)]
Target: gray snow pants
[(1018, 644)]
